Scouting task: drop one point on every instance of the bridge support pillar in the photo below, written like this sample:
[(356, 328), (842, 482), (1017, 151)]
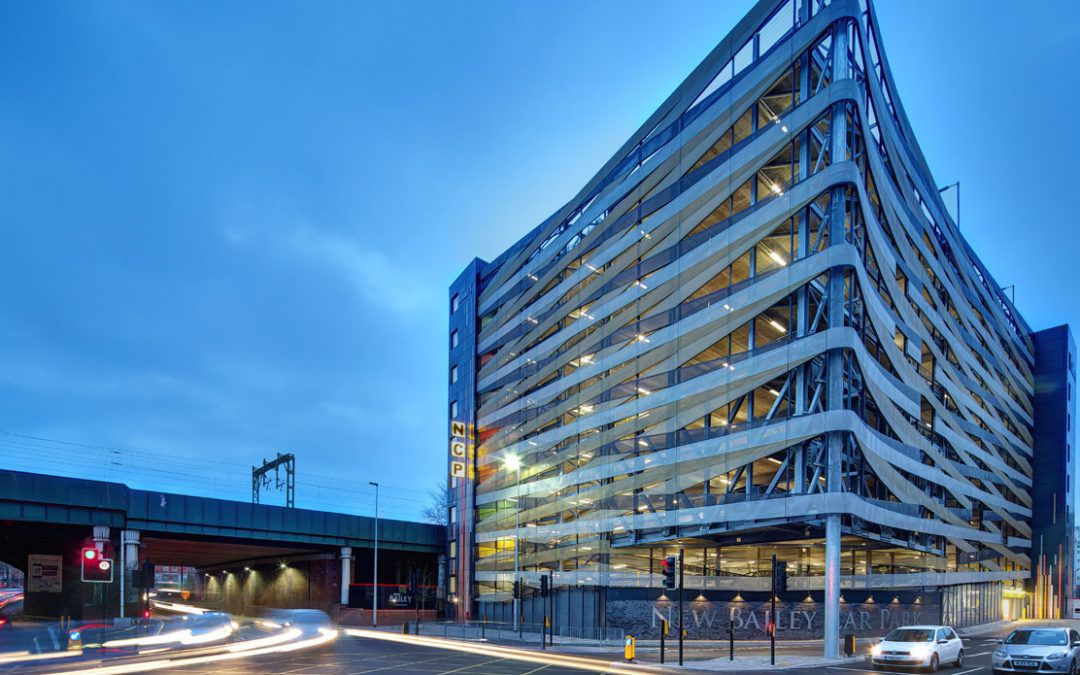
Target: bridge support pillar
[(129, 560), (101, 537), (346, 573)]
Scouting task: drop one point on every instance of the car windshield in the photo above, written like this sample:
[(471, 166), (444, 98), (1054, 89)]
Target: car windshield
[(1036, 637), (910, 635)]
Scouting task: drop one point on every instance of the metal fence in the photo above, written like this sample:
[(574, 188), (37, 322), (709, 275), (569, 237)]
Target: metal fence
[(524, 634)]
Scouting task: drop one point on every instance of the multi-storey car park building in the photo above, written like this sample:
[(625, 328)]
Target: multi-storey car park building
[(757, 330)]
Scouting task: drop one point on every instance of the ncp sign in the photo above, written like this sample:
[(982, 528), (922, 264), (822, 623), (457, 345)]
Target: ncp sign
[(458, 454)]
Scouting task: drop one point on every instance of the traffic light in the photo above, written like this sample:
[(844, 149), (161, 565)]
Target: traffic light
[(517, 590), (544, 585), (779, 577), (143, 577), (96, 568), (668, 566)]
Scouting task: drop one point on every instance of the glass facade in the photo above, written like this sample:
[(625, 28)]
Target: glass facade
[(972, 604), (759, 317)]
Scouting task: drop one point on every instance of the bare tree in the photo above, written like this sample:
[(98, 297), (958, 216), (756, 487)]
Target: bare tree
[(438, 511)]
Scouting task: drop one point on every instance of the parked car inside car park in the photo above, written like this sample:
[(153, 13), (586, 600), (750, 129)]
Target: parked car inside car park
[(918, 647), (1042, 650)]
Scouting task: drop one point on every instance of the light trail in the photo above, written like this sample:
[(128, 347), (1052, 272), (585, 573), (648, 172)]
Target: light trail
[(24, 657), (486, 649), (177, 607), (325, 635), (160, 639), (257, 643)]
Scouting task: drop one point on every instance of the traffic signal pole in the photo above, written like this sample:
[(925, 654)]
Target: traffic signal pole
[(772, 616), (663, 632), (680, 606)]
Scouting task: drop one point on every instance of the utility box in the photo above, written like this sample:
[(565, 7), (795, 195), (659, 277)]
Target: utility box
[(849, 644), (629, 646)]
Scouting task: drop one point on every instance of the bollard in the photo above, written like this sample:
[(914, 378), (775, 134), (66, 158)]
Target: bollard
[(405, 628), (849, 644)]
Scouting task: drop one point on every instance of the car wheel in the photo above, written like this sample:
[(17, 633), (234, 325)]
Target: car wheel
[(1072, 667), (933, 663), (959, 659)]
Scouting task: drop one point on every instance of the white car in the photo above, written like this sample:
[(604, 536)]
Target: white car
[(919, 647)]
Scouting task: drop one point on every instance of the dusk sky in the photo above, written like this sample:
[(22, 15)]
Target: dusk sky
[(230, 227)]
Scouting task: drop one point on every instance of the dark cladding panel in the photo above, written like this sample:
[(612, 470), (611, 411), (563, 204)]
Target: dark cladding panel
[(1052, 463)]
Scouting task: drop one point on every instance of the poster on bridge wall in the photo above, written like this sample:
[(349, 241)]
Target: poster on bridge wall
[(46, 573)]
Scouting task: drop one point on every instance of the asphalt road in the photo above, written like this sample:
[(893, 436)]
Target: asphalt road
[(356, 653), (352, 655), (977, 660)]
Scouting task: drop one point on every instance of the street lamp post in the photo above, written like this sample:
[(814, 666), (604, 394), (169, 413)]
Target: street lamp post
[(375, 566), (513, 462)]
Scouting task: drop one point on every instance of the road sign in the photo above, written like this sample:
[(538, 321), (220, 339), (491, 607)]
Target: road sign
[(45, 573)]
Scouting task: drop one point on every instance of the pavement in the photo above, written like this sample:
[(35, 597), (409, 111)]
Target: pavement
[(358, 653)]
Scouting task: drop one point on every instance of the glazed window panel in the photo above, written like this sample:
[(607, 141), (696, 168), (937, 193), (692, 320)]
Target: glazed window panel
[(781, 97), (744, 57), (741, 198), (777, 27), (740, 269), (777, 249), (743, 127)]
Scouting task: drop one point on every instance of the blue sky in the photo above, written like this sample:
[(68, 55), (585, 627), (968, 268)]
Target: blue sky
[(229, 227)]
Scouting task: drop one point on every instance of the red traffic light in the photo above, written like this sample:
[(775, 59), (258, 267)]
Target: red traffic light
[(96, 568)]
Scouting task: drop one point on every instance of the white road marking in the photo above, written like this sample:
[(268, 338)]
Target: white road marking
[(968, 671)]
